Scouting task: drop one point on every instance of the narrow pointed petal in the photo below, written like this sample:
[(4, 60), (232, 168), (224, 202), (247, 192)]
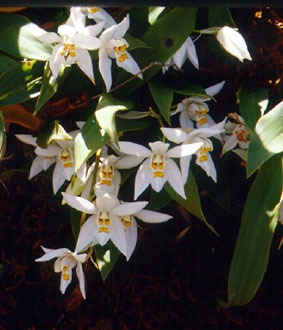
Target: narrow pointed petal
[(67, 30), (184, 150), (180, 56), (93, 30), (129, 208), (122, 28), (86, 42), (65, 283), (117, 234), (131, 236), (143, 178), (128, 162), (230, 144), (174, 134), (58, 178), (81, 277), (157, 183), (85, 63), (175, 178), (36, 167), (80, 204), (87, 234), (27, 138), (152, 216), (50, 151), (208, 167), (192, 53), (51, 253), (56, 60), (215, 89), (50, 37), (104, 65), (129, 64), (185, 121), (185, 167), (135, 149)]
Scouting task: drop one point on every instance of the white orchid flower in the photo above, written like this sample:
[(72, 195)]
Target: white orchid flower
[(39, 163), (113, 46), (130, 226), (194, 109), (197, 135), (233, 42), (186, 51), (100, 15), (105, 222), (158, 167), (66, 261), (236, 134), (73, 42)]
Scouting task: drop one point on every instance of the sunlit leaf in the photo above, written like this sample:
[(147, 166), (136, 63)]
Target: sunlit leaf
[(267, 139), (258, 224), (54, 131), (106, 258)]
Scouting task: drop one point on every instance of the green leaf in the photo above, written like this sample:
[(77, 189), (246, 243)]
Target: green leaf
[(106, 258), (53, 132), (158, 200), (165, 37), (19, 82), (220, 17), (259, 220), (192, 203), (139, 15), (250, 108), (2, 136), (105, 115), (50, 85), (267, 139), (154, 13), (6, 63), (162, 94), (135, 43), (75, 221), (17, 38), (183, 87)]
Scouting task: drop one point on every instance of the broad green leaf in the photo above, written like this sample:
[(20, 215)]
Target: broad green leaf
[(2, 136), (183, 87), (19, 82), (267, 139), (106, 258), (259, 220), (18, 38), (192, 203), (50, 85), (139, 19), (162, 94), (250, 108), (220, 17), (6, 63), (105, 115), (134, 42), (53, 132), (165, 37)]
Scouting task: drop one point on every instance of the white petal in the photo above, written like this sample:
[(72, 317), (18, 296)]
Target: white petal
[(214, 89), (230, 144), (104, 64), (80, 204), (86, 42), (184, 150), (117, 234), (143, 178), (51, 253), (50, 151), (174, 134), (128, 162), (157, 183), (58, 178), (174, 177), (192, 53), (131, 236), (122, 28), (56, 60), (129, 208), (129, 64), (85, 63), (185, 121), (50, 37), (185, 167), (87, 234), (180, 56), (93, 30), (159, 147), (80, 275), (208, 167), (152, 216), (131, 148), (36, 167), (67, 30), (64, 283), (27, 138)]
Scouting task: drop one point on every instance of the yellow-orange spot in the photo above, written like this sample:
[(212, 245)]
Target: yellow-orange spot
[(72, 54), (116, 49), (94, 10), (68, 165), (123, 48), (207, 149), (203, 158), (203, 112), (122, 57), (103, 229), (158, 174), (241, 136), (127, 221), (47, 157), (62, 53), (106, 182), (66, 276), (203, 121), (65, 269)]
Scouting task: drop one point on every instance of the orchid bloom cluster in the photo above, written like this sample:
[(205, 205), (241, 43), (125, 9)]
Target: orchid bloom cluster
[(94, 189)]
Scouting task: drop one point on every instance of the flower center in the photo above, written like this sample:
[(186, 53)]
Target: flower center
[(66, 158), (204, 150), (106, 174), (66, 274), (241, 133), (127, 221), (116, 48), (68, 50), (103, 221), (158, 165)]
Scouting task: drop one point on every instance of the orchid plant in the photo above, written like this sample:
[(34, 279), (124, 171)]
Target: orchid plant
[(131, 143)]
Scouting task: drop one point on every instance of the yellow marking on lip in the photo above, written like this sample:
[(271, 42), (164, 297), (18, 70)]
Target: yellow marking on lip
[(158, 174), (122, 57), (94, 10), (203, 121), (103, 229)]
